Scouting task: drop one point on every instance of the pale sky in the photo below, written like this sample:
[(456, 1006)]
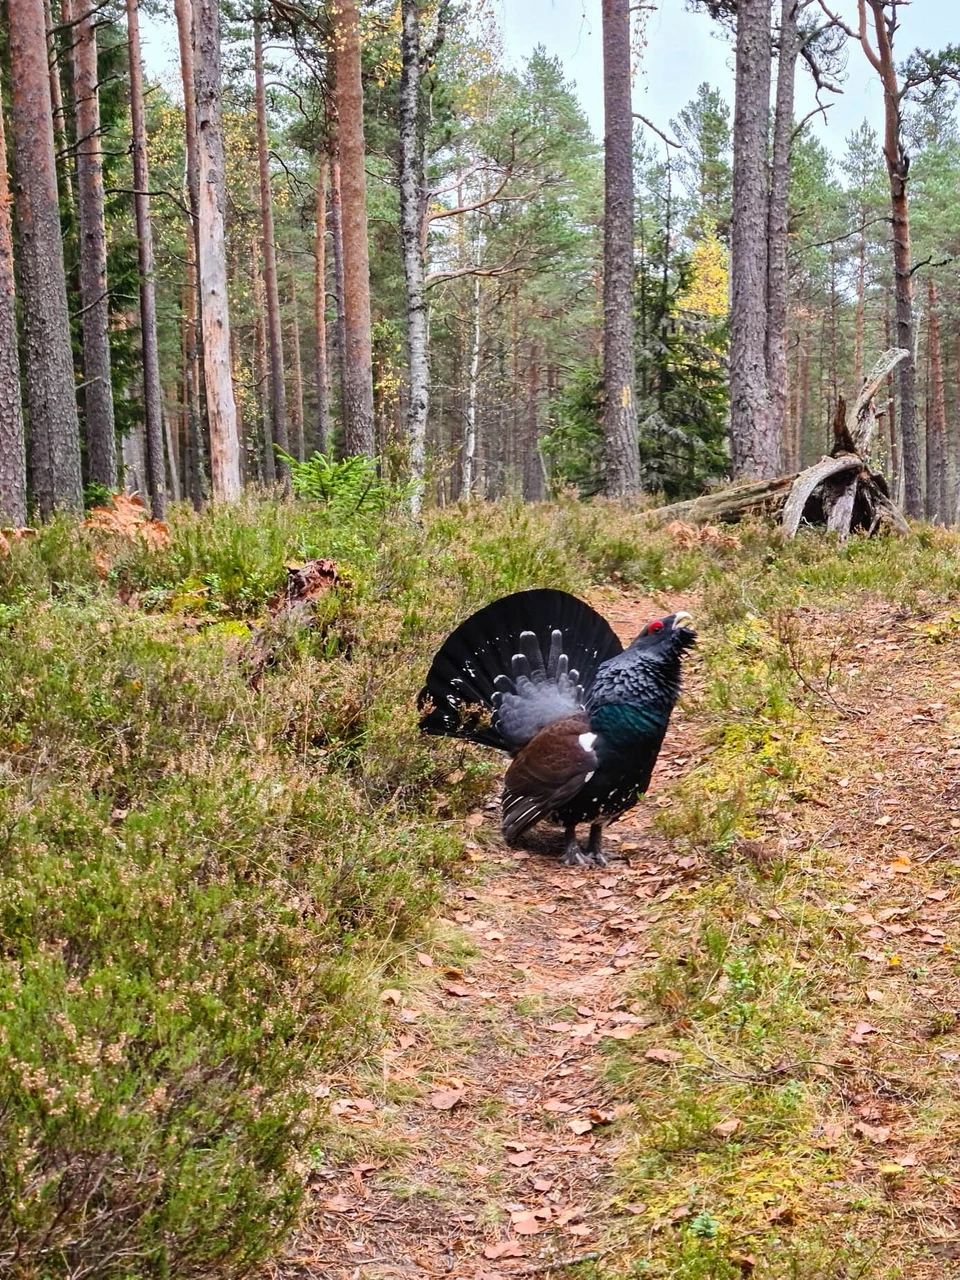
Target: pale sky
[(683, 49)]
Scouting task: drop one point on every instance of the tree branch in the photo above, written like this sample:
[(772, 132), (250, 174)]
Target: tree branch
[(650, 125)]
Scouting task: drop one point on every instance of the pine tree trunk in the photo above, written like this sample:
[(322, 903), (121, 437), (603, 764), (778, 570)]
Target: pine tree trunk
[(937, 417), (322, 442), (214, 312), (196, 451), (296, 416), (54, 436), (892, 410), (261, 369), (778, 230), (13, 462), (152, 395), (97, 388), (533, 487), (358, 381), (64, 178), (412, 210), (754, 435), (898, 165), (278, 394), (336, 223), (620, 446)]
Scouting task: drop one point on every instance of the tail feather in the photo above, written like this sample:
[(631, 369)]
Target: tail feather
[(489, 681)]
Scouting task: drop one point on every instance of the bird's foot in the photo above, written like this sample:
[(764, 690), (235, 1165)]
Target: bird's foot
[(595, 855), (573, 856)]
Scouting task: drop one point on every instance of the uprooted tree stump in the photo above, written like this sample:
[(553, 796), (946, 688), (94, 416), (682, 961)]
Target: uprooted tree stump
[(841, 491)]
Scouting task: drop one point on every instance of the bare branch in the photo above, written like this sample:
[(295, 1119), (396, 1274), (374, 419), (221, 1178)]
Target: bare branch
[(659, 132)]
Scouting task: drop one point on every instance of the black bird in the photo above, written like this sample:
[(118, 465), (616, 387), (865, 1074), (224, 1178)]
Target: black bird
[(584, 724)]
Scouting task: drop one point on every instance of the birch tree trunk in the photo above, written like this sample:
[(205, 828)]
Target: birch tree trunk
[(94, 299), (322, 442), (214, 310), (196, 451), (278, 394), (54, 439), (412, 210), (13, 462), (755, 444), (621, 450), (358, 380), (152, 395), (777, 235), (468, 463)]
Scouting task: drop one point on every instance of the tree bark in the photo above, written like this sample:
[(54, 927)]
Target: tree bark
[(358, 381), (65, 180), (336, 223), (296, 415), (468, 461), (214, 310), (778, 233), (412, 212), (937, 418), (152, 394), (94, 299), (13, 462), (754, 435), (898, 166), (196, 451), (278, 394), (322, 442), (621, 452), (267, 462), (50, 390)]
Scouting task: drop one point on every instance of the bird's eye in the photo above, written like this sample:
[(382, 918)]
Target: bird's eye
[(655, 626)]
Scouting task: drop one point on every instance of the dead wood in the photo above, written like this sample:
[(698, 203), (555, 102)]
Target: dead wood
[(840, 491)]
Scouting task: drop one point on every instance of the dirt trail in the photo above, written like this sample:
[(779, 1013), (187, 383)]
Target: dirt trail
[(485, 1146)]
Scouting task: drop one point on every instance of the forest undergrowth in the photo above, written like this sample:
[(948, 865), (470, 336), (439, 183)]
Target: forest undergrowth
[(224, 840)]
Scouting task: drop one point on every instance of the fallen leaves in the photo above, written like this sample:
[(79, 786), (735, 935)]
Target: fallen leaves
[(503, 1249), (446, 1099), (663, 1055), (521, 1158)]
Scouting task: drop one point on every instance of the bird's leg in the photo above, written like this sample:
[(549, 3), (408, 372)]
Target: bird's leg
[(595, 846), (572, 853)]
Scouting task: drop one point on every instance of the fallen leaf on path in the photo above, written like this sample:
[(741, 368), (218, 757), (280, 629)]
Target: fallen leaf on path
[(560, 1027), (525, 1224), (446, 1099), (521, 1158), (503, 1249), (338, 1204), (580, 1126), (726, 1127), (391, 996), (425, 960), (542, 1184), (557, 1104), (455, 989), (547, 908), (874, 996), (873, 1133), (832, 1133), (624, 1032), (663, 1055), (861, 1031)]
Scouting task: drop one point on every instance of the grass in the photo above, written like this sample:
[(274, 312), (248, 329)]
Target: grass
[(207, 879)]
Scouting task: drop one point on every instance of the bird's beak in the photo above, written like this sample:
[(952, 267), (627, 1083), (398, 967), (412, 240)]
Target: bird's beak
[(679, 619)]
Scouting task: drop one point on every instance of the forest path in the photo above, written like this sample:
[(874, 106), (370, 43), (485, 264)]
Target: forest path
[(483, 1145)]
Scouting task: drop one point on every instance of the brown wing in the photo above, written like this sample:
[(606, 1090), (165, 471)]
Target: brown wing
[(550, 770)]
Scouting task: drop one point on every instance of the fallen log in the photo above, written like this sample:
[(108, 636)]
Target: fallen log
[(841, 490)]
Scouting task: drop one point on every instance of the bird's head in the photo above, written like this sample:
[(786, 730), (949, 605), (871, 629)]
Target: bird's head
[(666, 637)]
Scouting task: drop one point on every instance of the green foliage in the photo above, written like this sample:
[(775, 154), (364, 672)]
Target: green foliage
[(349, 486)]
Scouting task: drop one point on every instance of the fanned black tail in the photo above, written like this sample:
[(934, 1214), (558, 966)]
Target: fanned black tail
[(462, 690)]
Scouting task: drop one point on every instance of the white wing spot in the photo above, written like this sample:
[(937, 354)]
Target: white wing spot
[(588, 776), (587, 740)]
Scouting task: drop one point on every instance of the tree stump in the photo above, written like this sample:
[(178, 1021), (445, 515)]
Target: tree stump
[(840, 491)]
